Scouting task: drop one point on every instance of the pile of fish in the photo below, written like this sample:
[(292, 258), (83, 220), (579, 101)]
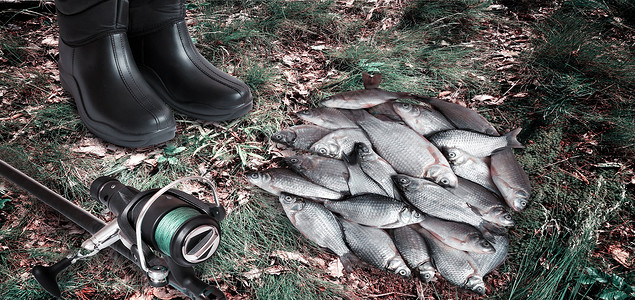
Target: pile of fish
[(405, 183)]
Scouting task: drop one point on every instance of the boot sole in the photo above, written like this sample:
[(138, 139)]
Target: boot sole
[(218, 115), (112, 135)]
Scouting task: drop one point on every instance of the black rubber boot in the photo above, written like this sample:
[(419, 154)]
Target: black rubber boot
[(97, 68), (168, 59)]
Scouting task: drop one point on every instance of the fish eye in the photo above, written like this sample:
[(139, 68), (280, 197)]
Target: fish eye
[(417, 214), (480, 290), (486, 244), (523, 203), (322, 151), (427, 276), (445, 181), (254, 175), (508, 217), (403, 273), (452, 154), (294, 160), (303, 112)]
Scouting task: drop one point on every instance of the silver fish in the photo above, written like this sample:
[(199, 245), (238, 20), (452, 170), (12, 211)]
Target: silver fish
[(474, 143), (436, 201), (407, 151), (456, 266), (483, 202), (326, 117), (276, 181), (414, 251), (485, 263), (461, 117), (358, 181), (457, 235), (317, 224), (377, 168), (300, 136), (475, 169), (339, 142), (375, 247), (327, 172), (375, 210), (422, 119), (359, 99), (510, 179)]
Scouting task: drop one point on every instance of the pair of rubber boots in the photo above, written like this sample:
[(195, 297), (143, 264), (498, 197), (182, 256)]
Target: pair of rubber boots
[(125, 61)]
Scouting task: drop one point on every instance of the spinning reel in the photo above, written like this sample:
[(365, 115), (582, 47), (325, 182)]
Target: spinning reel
[(164, 231)]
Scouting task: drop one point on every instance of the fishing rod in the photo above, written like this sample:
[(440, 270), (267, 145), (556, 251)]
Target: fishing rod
[(163, 231)]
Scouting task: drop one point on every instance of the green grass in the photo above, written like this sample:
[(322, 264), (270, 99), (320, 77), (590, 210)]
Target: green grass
[(579, 80)]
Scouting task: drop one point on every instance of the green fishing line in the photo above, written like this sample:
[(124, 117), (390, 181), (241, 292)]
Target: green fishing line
[(169, 224)]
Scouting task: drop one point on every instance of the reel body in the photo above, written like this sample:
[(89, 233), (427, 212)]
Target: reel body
[(177, 224)]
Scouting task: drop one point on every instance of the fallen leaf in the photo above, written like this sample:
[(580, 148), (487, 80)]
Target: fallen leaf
[(92, 146), (256, 273), (482, 98), (622, 256), (335, 268), (134, 160)]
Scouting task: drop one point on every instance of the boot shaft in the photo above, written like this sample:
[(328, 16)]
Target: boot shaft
[(82, 21), (147, 16)]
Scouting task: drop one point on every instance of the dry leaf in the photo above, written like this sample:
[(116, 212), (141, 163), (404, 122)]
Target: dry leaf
[(92, 146), (335, 268), (134, 160), (621, 256), (482, 98)]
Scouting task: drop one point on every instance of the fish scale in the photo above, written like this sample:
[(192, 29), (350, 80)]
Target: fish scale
[(375, 210), (414, 251), (280, 180), (470, 167), (436, 201), (456, 266), (326, 117), (360, 183), (461, 117), (457, 235), (300, 136), (327, 172), (474, 143), (378, 169), (375, 247), (419, 159), (510, 179), (490, 207), (485, 263), (339, 142), (317, 224), (424, 120)]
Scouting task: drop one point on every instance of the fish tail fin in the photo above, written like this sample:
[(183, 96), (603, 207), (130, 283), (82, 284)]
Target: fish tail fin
[(511, 138), (348, 260), (351, 158)]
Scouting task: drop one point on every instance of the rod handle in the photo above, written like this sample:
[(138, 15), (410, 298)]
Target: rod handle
[(47, 276)]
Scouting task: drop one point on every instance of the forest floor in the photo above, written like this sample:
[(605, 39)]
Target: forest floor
[(563, 71)]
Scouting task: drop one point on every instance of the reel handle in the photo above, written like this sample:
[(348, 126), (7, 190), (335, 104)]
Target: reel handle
[(47, 276)]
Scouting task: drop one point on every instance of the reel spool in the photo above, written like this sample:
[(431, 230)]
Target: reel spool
[(172, 222)]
